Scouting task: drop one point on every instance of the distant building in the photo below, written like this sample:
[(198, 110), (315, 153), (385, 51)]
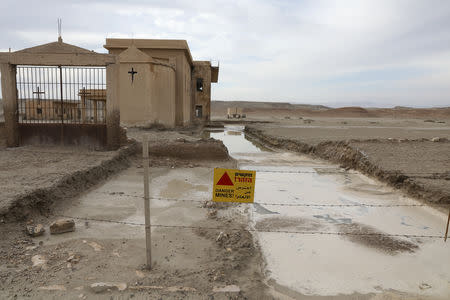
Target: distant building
[(235, 113), (91, 108), (46, 109)]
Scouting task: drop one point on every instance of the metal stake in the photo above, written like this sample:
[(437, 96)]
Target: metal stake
[(147, 202), (62, 104), (446, 230)]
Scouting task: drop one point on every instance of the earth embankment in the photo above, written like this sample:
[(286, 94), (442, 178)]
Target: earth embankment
[(419, 167)]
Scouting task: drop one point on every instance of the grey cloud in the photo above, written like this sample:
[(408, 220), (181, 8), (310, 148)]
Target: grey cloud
[(276, 50)]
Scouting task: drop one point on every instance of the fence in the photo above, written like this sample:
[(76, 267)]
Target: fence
[(337, 233), (59, 94)]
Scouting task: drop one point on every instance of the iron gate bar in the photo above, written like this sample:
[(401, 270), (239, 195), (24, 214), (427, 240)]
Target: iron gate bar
[(63, 101)]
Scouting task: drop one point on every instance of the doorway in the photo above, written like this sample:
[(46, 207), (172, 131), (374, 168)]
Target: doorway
[(199, 111)]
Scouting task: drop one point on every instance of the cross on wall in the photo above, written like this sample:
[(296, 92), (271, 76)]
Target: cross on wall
[(132, 73), (39, 93)]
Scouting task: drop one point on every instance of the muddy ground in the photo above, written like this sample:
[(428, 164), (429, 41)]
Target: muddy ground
[(188, 263), (411, 154), (42, 184), (36, 176), (39, 184), (317, 130)]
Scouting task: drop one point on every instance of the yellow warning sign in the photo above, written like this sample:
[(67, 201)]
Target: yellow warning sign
[(233, 185)]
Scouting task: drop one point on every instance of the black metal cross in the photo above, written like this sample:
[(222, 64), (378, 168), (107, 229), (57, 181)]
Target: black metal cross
[(39, 93), (132, 72)]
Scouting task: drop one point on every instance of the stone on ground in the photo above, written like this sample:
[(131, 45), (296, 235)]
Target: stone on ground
[(35, 231), (62, 226), (100, 287), (39, 261), (227, 289), (55, 287)]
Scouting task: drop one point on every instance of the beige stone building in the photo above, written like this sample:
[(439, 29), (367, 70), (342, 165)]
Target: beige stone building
[(159, 82), (61, 93)]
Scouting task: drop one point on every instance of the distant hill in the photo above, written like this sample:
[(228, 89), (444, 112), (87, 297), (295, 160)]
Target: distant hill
[(267, 110), (218, 105)]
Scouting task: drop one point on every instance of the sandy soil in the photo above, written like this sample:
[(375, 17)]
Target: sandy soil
[(342, 129), (188, 263), (37, 176), (425, 163), (333, 252), (408, 165), (380, 142)]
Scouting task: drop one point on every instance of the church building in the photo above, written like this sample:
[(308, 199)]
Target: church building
[(61, 93), (160, 83)]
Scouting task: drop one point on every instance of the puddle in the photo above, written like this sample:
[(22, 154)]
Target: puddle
[(332, 265), (329, 219), (259, 209), (232, 137)]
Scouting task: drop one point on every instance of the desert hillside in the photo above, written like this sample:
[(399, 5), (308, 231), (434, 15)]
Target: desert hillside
[(284, 109)]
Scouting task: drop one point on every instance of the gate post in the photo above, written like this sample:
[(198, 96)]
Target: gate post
[(9, 94), (112, 107)]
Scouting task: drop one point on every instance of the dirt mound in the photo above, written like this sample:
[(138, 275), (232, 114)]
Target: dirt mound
[(209, 149), (350, 109), (343, 153), (277, 223), (372, 238), (39, 200)]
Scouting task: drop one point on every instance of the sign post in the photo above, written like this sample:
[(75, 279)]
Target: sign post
[(148, 231), (233, 185), (448, 221)]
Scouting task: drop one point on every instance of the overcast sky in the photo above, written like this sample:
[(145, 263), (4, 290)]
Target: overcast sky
[(349, 52)]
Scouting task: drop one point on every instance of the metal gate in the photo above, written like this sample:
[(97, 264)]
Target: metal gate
[(75, 95), (71, 99)]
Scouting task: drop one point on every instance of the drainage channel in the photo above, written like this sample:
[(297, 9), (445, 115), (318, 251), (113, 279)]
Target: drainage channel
[(368, 257)]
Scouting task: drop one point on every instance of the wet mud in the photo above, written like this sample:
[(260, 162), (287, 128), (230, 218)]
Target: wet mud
[(343, 240), (284, 223), (343, 153), (188, 262), (39, 200), (195, 150), (375, 239)]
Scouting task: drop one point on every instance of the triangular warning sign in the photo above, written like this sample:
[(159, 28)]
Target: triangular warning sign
[(225, 180)]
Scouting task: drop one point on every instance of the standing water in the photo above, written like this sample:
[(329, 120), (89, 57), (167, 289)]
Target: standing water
[(336, 232)]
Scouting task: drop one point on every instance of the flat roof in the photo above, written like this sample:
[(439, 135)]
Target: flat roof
[(150, 44)]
